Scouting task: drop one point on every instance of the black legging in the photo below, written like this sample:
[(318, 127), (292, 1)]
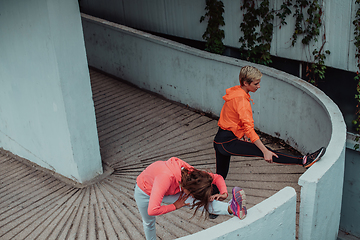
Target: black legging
[(227, 144)]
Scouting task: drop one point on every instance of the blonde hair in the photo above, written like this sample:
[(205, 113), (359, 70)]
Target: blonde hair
[(249, 74)]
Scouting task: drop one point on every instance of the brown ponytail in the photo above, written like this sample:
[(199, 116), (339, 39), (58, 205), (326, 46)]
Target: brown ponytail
[(199, 184)]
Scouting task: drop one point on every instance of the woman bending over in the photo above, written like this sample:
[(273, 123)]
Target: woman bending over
[(178, 184)]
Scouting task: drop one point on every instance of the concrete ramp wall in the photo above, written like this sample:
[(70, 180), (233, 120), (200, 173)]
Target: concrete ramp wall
[(265, 221)]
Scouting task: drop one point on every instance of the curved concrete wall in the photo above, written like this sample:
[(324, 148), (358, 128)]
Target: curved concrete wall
[(265, 221), (285, 106)]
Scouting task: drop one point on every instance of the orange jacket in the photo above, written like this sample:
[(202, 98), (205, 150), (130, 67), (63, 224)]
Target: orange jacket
[(236, 114), (162, 178)]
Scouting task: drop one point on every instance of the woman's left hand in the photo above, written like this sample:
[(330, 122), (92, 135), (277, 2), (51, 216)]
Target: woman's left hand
[(181, 201), (219, 197)]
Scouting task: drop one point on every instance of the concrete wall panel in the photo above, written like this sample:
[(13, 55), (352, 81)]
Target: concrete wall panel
[(46, 110)]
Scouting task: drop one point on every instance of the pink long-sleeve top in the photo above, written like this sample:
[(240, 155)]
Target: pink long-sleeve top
[(162, 178)]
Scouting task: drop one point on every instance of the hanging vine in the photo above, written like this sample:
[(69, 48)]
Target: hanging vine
[(356, 23), (257, 27), (213, 34), (309, 29), (284, 12)]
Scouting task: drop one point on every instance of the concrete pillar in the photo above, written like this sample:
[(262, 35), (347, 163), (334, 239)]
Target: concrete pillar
[(46, 109)]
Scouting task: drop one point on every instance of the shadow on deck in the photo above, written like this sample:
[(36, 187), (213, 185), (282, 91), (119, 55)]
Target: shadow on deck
[(135, 128)]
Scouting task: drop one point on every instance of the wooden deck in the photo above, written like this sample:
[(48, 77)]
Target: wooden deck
[(135, 128)]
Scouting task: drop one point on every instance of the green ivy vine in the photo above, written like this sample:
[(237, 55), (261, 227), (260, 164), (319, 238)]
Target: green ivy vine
[(309, 29), (255, 45), (213, 34), (257, 28), (356, 23)]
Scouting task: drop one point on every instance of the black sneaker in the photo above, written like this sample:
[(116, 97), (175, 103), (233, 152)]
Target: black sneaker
[(213, 216), (312, 158)]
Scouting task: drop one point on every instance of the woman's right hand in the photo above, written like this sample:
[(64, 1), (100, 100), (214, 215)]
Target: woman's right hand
[(181, 201), (268, 156)]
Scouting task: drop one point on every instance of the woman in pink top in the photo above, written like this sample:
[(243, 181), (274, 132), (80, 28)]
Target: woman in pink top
[(177, 183)]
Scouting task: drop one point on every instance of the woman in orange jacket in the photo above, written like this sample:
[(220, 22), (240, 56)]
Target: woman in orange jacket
[(177, 183), (236, 127)]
